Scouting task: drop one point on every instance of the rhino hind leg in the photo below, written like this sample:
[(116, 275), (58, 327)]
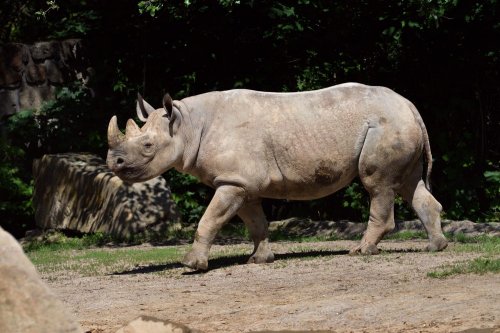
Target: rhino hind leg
[(378, 169), (428, 210), (255, 220), (381, 221)]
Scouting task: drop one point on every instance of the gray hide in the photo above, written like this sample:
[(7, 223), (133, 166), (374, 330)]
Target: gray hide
[(250, 145)]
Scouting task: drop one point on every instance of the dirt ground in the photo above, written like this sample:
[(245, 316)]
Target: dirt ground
[(320, 289)]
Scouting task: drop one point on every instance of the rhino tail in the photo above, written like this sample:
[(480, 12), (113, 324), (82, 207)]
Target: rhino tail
[(427, 146)]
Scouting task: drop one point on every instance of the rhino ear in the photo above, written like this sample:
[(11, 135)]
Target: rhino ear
[(168, 105), (143, 108)]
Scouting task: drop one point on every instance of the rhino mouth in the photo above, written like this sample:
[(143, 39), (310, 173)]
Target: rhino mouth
[(133, 173)]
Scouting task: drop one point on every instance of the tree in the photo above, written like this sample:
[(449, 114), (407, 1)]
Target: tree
[(443, 55)]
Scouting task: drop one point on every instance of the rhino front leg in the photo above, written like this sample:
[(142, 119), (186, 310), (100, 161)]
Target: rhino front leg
[(227, 200), (255, 220)]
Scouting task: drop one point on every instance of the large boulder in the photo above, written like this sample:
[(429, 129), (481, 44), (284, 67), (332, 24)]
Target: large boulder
[(78, 192), (26, 303)]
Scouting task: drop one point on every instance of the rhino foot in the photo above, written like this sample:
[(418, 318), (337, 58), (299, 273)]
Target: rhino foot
[(437, 244), (195, 260), (365, 248), (261, 258)]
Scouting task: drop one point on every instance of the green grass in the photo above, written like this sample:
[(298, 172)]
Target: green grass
[(89, 262), (477, 266), (484, 244), (488, 262), (58, 255), (407, 235), (58, 241), (62, 256)]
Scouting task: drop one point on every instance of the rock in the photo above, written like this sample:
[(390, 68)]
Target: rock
[(146, 324), (454, 227), (78, 192), (9, 102), (33, 96), (471, 228), (54, 74), (31, 73), (295, 227), (9, 78), (44, 50), (13, 58), (26, 303), (36, 73)]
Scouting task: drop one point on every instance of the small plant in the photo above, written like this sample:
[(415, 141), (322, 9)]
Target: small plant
[(406, 235), (16, 190), (476, 266), (89, 262), (55, 241), (190, 196), (489, 261)]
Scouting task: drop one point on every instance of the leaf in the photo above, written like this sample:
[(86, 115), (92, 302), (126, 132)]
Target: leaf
[(492, 176)]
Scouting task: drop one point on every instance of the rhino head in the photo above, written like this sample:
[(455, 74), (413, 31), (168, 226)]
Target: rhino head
[(144, 153)]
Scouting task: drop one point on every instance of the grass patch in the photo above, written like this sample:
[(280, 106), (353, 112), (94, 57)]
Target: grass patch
[(56, 241), (70, 259), (477, 266), (488, 245), (407, 235), (89, 262), (489, 262), (58, 255)]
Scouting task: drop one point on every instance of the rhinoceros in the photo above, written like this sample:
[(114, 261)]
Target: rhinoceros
[(249, 145)]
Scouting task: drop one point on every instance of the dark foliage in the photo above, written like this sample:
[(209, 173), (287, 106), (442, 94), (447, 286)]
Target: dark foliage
[(444, 55)]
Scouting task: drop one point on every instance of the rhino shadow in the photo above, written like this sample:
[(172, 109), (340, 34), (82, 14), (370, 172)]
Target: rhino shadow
[(227, 261)]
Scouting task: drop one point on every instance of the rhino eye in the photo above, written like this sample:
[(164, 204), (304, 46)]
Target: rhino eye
[(148, 145)]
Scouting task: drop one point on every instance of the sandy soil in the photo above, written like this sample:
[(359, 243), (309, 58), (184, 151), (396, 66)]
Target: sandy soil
[(324, 289)]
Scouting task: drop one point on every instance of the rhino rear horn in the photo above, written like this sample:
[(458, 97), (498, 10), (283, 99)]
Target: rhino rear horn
[(115, 136), (132, 129), (143, 108)]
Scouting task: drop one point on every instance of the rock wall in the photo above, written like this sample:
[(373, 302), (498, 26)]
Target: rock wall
[(295, 227), (29, 74), (78, 192)]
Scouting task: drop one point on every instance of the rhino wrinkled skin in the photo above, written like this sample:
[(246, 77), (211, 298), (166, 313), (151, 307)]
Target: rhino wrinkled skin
[(250, 145)]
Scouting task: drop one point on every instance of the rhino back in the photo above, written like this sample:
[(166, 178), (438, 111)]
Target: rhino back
[(291, 145)]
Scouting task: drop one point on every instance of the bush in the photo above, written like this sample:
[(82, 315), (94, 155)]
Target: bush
[(16, 189), (65, 124)]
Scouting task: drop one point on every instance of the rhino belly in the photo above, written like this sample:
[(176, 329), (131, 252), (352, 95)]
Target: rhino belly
[(315, 180)]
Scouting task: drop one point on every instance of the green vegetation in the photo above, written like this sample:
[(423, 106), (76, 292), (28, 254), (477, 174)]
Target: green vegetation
[(428, 51), (97, 254), (488, 245), (57, 241), (476, 266), (489, 261), (101, 261), (406, 235)]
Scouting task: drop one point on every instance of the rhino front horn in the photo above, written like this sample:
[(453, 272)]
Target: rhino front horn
[(115, 136)]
